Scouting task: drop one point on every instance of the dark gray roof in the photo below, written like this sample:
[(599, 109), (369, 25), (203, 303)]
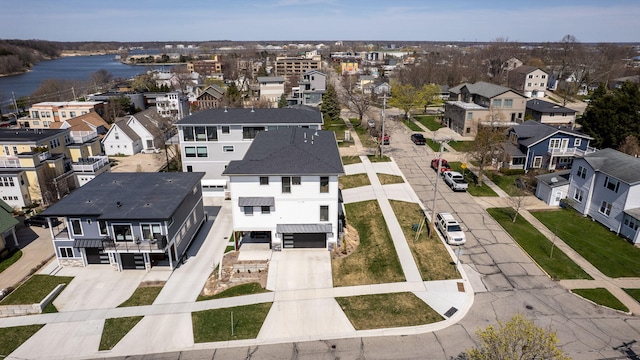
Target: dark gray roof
[(140, 196), (122, 125), (292, 151), (487, 90), (525, 69), (512, 150), (547, 107), (614, 163), (554, 179), (531, 132), (270, 79), (29, 135), (292, 115)]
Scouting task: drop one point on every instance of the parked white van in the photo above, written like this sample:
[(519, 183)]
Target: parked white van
[(450, 229)]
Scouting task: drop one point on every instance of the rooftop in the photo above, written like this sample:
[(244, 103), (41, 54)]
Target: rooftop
[(617, 164), (293, 115), (28, 135), (548, 107)]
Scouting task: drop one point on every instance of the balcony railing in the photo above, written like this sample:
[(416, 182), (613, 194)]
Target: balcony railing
[(80, 137), (90, 164), (156, 245), (9, 163), (571, 151)]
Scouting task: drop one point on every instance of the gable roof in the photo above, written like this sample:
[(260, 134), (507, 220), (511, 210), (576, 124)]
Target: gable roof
[(526, 69), (547, 107), (532, 132), (87, 122), (124, 127), (236, 116), (290, 151), (617, 164), (487, 90), (149, 122), (124, 196)]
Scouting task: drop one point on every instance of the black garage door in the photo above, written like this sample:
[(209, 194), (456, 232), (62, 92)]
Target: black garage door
[(306, 240), (96, 256), (132, 261)]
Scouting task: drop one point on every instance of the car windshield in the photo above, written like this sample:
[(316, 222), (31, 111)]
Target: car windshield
[(452, 228)]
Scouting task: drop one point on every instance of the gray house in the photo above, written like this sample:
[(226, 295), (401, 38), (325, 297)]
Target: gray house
[(553, 187), (211, 138), (128, 220), (605, 185)]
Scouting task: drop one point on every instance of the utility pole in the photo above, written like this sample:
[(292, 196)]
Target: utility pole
[(435, 189), (384, 105)]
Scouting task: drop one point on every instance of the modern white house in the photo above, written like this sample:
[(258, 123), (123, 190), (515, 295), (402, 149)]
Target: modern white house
[(529, 80), (271, 89), (144, 131), (285, 190), (211, 138), (605, 185)]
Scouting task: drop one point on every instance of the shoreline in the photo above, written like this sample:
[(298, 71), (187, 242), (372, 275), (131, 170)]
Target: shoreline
[(67, 53)]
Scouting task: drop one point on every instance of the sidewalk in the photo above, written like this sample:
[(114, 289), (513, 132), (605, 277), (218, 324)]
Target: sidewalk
[(38, 250)]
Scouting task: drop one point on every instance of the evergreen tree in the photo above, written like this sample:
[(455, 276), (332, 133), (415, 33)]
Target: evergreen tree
[(282, 103), (330, 104)]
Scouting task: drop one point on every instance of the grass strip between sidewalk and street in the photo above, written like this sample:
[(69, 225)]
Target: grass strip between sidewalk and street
[(412, 125), (348, 160), (472, 179), (551, 259), (387, 310), (429, 121), (144, 295), (4, 264), (609, 253), (601, 296), (387, 179), (238, 290), (376, 158), (353, 181), (35, 289), (375, 260), (430, 254), (115, 329), (216, 324), (13, 337), (634, 293)]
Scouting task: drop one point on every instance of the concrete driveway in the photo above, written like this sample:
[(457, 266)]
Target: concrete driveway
[(300, 269)]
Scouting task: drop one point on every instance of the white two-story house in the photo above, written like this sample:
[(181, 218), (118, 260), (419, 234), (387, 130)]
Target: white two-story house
[(210, 139), (605, 185), (285, 190)]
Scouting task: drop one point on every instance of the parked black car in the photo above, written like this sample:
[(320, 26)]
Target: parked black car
[(418, 139), (40, 221)]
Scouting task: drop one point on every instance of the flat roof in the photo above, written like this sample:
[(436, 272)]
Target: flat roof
[(28, 135), (236, 116), (466, 105)]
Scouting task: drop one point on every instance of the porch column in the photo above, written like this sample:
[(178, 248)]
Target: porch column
[(170, 258), (15, 238)]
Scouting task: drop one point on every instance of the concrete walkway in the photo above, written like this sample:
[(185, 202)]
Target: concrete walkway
[(37, 249)]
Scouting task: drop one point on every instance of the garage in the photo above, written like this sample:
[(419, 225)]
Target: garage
[(96, 256), (132, 261), (304, 236)]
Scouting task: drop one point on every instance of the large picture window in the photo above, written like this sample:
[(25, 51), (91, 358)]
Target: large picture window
[(249, 133), (187, 133), (123, 232), (76, 226), (190, 151), (150, 231)]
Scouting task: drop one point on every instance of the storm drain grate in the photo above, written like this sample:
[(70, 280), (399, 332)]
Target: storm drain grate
[(450, 312)]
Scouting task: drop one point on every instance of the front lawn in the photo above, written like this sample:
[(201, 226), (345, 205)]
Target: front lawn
[(387, 310), (35, 289), (412, 125), (462, 146), (144, 295), (353, 181), (238, 290), (363, 134), (557, 264), (386, 179), (375, 260), (216, 325), (13, 337), (115, 329), (348, 160), (474, 189), (609, 253), (5, 263), (430, 254), (435, 146), (634, 293), (375, 158), (504, 182), (429, 121), (602, 296)]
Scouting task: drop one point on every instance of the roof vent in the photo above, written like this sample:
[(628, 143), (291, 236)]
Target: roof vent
[(118, 203), (252, 110), (554, 179), (225, 109)]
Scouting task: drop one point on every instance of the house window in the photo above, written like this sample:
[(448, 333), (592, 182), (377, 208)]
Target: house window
[(508, 103), (468, 130), (227, 148), (582, 172), (324, 213), (15, 150), (530, 76), (123, 232), (324, 184), (265, 209), (286, 185), (497, 103), (554, 144), (189, 168), (225, 129), (469, 116), (66, 252), (578, 194), (248, 210), (190, 151), (150, 231), (72, 113), (187, 133), (202, 151), (529, 84), (201, 133), (577, 142), (517, 161), (264, 180), (611, 184), (212, 133), (249, 133), (76, 227), (543, 76), (295, 180), (605, 208), (102, 228), (537, 162)]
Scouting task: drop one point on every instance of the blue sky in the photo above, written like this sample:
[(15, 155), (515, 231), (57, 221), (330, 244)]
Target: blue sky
[(318, 20)]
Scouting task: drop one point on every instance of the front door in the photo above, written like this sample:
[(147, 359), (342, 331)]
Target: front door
[(149, 144), (564, 144)]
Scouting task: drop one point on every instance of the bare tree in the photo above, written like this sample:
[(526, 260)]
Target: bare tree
[(630, 146), (518, 199), (357, 101), (486, 147)]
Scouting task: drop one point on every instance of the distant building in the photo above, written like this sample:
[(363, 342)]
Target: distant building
[(551, 113), (41, 115), (271, 89), (529, 80)]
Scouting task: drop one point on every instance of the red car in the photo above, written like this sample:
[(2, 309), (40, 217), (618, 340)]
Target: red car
[(444, 165), (386, 139)]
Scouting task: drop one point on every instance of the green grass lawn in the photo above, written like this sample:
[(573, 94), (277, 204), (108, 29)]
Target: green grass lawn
[(353, 181), (238, 290), (634, 293), (560, 266), (375, 260), (472, 179), (374, 158), (504, 182), (13, 337), (602, 296), (4, 264), (35, 289), (348, 160), (462, 146), (435, 146), (429, 121), (386, 179), (144, 295), (115, 329), (387, 310), (215, 324), (610, 254), (363, 134), (338, 127), (412, 125), (430, 254)]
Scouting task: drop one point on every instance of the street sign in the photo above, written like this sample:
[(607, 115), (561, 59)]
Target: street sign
[(463, 165)]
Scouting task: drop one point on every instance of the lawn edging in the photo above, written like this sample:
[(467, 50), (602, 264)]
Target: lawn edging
[(28, 309)]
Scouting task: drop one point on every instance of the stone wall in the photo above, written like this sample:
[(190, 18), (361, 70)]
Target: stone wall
[(19, 310), (71, 262)]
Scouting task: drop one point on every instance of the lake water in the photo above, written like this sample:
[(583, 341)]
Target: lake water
[(67, 68)]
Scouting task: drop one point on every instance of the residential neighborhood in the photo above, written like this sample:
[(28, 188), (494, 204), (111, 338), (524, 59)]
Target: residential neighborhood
[(289, 197)]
